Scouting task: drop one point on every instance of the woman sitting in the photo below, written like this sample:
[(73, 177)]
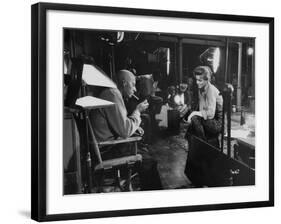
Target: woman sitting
[(207, 120)]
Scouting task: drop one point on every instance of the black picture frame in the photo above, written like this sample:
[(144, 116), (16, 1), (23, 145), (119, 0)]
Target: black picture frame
[(39, 109)]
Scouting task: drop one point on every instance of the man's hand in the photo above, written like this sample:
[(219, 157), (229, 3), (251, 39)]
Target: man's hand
[(140, 131), (142, 106)]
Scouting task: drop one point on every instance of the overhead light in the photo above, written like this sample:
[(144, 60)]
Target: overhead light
[(250, 51), (211, 57)]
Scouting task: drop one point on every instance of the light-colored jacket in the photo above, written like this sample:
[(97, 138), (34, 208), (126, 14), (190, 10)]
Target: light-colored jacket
[(209, 101), (113, 121)]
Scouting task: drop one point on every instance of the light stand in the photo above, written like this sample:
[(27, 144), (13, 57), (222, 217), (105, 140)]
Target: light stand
[(92, 76)]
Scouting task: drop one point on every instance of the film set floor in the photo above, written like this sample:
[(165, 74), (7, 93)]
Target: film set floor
[(170, 151)]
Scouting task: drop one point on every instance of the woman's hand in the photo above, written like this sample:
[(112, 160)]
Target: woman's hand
[(194, 113)]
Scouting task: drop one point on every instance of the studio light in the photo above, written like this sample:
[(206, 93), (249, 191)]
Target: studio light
[(250, 51), (211, 57)]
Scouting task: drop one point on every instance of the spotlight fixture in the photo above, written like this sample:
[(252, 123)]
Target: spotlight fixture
[(211, 57)]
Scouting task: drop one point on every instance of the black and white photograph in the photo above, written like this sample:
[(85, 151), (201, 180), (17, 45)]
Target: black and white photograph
[(157, 111), (140, 112)]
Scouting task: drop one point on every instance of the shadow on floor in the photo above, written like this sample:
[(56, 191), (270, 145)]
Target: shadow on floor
[(170, 150)]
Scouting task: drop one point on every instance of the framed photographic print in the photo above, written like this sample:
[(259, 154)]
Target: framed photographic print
[(138, 111)]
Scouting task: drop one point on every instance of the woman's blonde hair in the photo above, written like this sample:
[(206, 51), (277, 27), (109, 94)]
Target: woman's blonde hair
[(205, 71)]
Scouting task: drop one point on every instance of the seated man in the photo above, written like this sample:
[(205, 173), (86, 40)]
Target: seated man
[(113, 122), (145, 91), (207, 121)]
